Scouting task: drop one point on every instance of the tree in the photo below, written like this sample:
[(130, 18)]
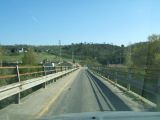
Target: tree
[(152, 77), (128, 57), (139, 55), (29, 57)]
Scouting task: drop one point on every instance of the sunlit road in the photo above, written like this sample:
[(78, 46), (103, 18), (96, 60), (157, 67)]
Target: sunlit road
[(86, 94)]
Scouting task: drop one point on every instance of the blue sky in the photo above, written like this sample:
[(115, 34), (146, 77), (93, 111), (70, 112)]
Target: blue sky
[(42, 22)]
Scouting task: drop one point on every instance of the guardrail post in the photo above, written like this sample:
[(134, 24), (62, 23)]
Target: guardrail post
[(18, 96), (128, 87), (44, 84), (158, 96), (61, 68), (128, 84), (64, 68), (115, 78), (44, 70), (55, 69)]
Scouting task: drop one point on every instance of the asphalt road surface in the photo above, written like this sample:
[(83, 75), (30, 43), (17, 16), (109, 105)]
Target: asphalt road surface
[(86, 94)]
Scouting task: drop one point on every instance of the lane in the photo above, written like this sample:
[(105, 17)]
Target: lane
[(86, 94), (102, 100), (112, 99)]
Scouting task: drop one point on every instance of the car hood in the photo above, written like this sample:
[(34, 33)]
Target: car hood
[(107, 115)]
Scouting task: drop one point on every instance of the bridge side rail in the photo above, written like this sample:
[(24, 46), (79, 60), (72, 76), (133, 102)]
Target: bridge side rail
[(124, 88), (20, 86)]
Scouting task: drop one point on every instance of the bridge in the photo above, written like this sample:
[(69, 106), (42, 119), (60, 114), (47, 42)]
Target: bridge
[(65, 89)]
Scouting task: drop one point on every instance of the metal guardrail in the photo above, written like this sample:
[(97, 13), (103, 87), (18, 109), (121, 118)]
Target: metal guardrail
[(18, 68), (20, 86), (132, 79), (125, 89)]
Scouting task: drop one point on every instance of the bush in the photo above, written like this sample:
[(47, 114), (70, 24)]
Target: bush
[(29, 58)]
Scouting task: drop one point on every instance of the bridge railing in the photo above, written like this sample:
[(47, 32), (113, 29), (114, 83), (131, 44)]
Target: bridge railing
[(11, 74), (16, 79), (143, 81)]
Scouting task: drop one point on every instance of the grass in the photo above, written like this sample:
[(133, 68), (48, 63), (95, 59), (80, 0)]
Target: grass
[(13, 58), (50, 57), (40, 57)]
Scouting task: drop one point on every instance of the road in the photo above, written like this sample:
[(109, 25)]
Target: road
[(86, 94)]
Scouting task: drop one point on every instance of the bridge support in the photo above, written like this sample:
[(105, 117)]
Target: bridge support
[(44, 84), (18, 96), (55, 79)]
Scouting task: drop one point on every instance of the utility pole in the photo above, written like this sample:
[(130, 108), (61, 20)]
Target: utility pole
[(60, 52), (129, 55), (129, 66), (72, 53), (112, 61)]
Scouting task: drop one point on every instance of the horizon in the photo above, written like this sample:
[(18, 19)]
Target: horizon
[(73, 44), (42, 22)]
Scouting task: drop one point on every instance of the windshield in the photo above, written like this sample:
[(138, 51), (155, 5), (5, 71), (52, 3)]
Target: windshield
[(75, 56)]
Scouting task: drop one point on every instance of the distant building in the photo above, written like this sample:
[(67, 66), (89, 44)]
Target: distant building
[(21, 50)]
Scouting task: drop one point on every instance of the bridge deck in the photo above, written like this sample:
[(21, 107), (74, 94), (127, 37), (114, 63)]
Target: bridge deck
[(77, 92)]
